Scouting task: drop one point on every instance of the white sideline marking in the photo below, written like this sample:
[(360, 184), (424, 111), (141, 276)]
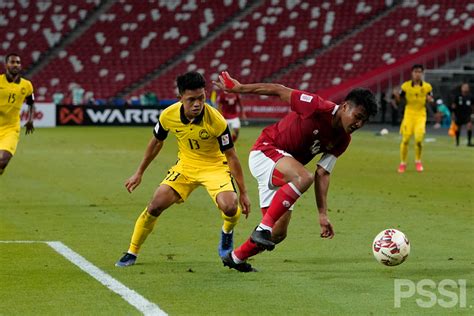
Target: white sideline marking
[(132, 297)]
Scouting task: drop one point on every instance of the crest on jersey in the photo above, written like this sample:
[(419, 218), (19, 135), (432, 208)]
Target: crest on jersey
[(23, 91), (306, 98), (203, 134)]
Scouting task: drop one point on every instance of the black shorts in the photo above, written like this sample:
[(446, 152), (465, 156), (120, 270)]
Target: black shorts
[(462, 119)]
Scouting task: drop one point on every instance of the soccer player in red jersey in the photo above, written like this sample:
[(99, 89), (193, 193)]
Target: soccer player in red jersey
[(277, 158), (232, 110)]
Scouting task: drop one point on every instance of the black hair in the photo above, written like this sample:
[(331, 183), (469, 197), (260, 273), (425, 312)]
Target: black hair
[(418, 66), (365, 98), (9, 55), (190, 81)]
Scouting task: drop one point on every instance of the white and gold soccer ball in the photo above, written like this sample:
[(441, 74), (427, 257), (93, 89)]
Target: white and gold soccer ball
[(391, 247)]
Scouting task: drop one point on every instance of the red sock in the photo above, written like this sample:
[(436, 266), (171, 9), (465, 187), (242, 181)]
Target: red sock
[(247, 250), (285, 197)]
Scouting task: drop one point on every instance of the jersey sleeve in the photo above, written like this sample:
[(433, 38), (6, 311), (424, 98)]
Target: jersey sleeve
[(327, 162), (225, 140), (30, 86), (304, 103), (341, 147), (404, 89), (160, 131), (430, 89)]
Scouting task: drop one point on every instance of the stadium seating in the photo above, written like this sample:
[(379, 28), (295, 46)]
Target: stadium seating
[(128, 41), (414, 24), (133, 38), (269, 38), (33, 27)]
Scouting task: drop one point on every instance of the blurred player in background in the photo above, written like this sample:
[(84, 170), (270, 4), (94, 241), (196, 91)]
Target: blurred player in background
[(277, 159), (231, 108), (463, 109), (14, 90), (206, 157), (417, 93)]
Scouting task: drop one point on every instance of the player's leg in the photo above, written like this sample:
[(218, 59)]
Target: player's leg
[(458, 132), (5, 157), (163, 198), (235, 134), (406, 132), (228, 204), (219, 184), (296, 181), (419, 137), (8, 143), (469, 133), (173, 189), (249, 248)]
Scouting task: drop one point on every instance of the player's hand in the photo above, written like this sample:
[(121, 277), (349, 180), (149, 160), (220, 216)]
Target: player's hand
[(29, 128), (133, 182), (327, 231), (227, 83), (245, 203)]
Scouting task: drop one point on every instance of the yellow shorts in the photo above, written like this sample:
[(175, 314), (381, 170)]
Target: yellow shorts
[(9, 140), (413, 125), (184, 179)]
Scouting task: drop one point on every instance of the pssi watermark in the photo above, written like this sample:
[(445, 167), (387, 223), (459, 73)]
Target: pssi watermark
[(446, 293)]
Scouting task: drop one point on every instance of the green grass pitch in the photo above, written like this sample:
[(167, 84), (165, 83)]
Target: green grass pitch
[(67, 184)]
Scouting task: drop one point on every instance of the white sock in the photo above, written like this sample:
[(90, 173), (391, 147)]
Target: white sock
[(263, 227), (236, 260), (225, 231)]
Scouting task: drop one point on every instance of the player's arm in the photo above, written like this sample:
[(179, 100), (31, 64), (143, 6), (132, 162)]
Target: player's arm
[(398, 94), (153, 148), (321, 188), (236, 171), (30, 100), (227, 83)]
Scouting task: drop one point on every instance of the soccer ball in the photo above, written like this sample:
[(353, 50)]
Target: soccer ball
[(391, 247)]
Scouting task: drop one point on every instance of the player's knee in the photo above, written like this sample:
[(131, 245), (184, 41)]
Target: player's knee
[(4, 162), (229, 209), (155, 209), (304, 180), (278, 237)]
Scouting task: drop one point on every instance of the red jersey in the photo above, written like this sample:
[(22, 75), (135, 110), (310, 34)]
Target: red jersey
[(228, 104), (307, 130)]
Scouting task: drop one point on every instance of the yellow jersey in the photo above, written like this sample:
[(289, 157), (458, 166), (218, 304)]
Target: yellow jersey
[(12, 96), (416, 97), (200, 142)]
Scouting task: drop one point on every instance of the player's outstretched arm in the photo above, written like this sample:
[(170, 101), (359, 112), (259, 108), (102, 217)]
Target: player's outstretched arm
[(153, 148), (229, 84), (321, 187), (236, 170)]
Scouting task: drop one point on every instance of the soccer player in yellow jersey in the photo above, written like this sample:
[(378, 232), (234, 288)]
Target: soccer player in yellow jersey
[(206, 157), (417, 93), (13, 91)]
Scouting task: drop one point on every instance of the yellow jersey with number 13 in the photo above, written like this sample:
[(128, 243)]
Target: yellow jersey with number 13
[(200, 142)]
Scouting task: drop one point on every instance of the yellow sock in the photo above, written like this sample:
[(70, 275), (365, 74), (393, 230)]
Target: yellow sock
[(404, 148), (418, 147), (143, 228), (230, 221)]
